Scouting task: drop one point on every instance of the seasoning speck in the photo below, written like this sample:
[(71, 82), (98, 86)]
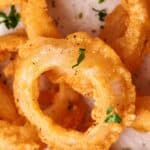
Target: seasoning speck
[(80, 16)]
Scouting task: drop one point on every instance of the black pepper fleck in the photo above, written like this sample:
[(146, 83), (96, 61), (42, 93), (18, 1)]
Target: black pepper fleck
[(80, 16), (70, 105)]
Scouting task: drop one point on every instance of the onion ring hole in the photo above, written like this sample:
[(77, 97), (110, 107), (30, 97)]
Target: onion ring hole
[(65, 106)]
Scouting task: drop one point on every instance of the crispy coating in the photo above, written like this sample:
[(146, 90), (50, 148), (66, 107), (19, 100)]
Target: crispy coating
[(125, 31), (142, 121), (4, 55), (36, 19), (12, 41), (6, 3), (100, 76), (7, 107), (13, 137), (9, 69), (14, 133)]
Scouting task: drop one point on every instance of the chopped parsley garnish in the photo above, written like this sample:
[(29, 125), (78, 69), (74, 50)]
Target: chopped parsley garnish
[(101, 1), (12, 19), (80, 15), (112, 116), (80, 58), (101, 14)]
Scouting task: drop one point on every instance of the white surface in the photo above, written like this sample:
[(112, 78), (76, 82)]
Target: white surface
[(67, 12), (133, 140)]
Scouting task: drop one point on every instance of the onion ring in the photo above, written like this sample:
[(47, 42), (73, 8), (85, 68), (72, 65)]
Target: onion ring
[(129, 20), (95, 77)]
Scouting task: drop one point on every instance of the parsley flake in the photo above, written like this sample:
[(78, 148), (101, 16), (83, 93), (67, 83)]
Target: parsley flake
[(80, 58), (112, 116), (101, 1), (12, 19)]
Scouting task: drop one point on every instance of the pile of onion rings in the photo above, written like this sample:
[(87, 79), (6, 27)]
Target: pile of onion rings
[(88, 97), (89, 78)]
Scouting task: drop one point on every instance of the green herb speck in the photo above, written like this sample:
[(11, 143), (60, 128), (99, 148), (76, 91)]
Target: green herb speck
[(80, 58), (101, 1), (112, 116), (12, 19)]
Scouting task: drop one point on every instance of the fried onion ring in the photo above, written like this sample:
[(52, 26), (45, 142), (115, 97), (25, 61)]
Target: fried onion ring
[(100, 76), (125, 32)]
